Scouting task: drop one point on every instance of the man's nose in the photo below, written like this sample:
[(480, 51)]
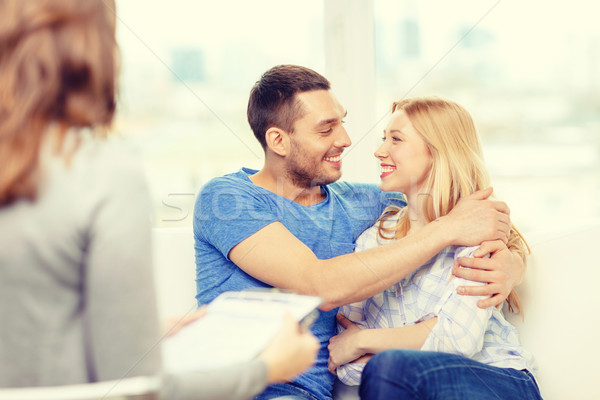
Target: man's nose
[(343, 140)]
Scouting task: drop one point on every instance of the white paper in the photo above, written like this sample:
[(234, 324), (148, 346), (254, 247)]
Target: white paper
[(236, 328)]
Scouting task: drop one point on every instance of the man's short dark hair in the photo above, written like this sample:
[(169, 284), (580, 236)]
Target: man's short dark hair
[(273, 99)]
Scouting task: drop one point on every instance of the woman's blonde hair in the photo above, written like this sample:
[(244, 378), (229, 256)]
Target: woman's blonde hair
[(57, 65), (457, 168)]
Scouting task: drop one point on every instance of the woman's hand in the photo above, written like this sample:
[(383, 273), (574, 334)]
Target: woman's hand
[(290, 352), (502, 272), (343, 348)]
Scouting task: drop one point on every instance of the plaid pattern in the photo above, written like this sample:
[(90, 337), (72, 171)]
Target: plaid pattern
[(463, 328)]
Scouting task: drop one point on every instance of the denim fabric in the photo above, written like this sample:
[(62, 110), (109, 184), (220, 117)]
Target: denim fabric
[(289, 398), (414, 374), (284, 392)]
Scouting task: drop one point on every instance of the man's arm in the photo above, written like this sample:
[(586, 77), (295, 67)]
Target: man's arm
[(504, 270), (275, 256)]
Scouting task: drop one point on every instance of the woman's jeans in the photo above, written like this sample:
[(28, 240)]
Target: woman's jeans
[(413, 374)]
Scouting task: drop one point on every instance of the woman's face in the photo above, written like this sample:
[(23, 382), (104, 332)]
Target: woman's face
[(405, 158)]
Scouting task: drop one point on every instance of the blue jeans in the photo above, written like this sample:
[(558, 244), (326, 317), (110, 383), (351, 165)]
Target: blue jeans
[(413, 374), (287, 391)]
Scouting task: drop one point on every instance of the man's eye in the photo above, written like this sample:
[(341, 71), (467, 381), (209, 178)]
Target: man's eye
[(327, 131)]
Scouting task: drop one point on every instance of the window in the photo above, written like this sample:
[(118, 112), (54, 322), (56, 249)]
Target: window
[(187, 69), (527, 72)]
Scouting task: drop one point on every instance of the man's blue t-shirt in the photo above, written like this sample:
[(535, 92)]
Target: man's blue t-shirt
[(231, 208)]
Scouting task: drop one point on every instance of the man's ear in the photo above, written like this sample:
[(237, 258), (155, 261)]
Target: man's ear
[(278, 141)]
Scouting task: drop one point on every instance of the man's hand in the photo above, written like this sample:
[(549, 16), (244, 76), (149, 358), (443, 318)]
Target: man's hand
[(474, 220), (342, 347), (502, 272)]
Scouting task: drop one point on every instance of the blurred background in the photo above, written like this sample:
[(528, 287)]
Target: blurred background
[(529, 73)]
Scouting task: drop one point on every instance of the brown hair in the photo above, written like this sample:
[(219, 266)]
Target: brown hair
[(457, 171), (273, 99), (57, 64)]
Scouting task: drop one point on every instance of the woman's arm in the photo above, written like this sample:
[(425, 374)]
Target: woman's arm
[(461, 323), (350, 373), (122, 331), (289, 353), (354, 342), (458, 327), (238, 382), (374, 341)]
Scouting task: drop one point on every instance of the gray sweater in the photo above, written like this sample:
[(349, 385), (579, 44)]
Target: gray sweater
[(77, 299)]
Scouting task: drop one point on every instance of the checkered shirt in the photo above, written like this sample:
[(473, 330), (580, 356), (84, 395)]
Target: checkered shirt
[(462, 328)]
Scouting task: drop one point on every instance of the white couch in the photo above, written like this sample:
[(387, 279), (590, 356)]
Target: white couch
[(561, 317)]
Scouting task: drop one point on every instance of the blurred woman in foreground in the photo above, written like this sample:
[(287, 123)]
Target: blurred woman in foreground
[(76, 289)]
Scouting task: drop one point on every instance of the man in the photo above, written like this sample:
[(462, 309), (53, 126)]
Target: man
[(291, 225)]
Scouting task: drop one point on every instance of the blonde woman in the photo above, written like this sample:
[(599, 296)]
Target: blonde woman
[(76, 290), (446, 346)]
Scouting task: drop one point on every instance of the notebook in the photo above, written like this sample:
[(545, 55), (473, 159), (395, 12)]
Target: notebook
[(236, 328)]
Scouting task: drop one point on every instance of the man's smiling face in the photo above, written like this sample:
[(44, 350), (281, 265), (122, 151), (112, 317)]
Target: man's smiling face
[(318, 140)]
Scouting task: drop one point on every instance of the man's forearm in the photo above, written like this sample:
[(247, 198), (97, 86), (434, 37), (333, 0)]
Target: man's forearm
[(275, 256), (360, 275)]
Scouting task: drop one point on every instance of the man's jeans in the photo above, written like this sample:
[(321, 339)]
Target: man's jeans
[(284, 392)]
